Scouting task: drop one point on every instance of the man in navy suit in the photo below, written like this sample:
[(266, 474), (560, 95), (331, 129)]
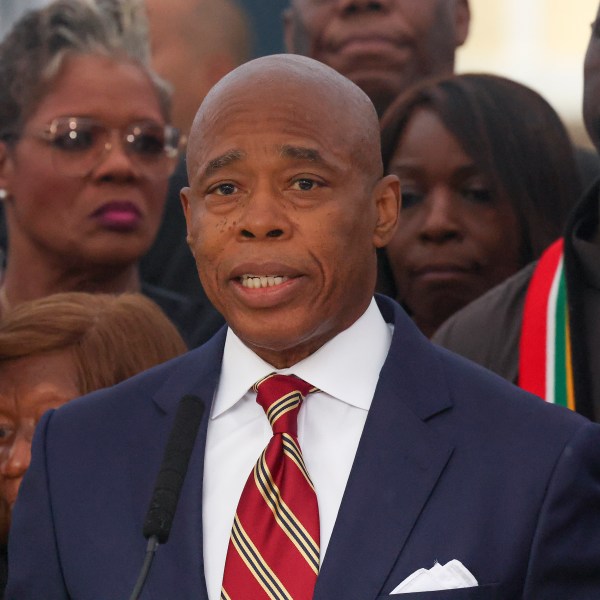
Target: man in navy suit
[(422, 462)]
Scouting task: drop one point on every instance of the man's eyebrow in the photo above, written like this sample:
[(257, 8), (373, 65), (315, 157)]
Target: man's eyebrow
[(221, 161), (301, 152)]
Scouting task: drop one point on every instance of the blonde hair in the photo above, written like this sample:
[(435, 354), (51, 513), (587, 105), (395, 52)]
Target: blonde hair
[(111, 337)]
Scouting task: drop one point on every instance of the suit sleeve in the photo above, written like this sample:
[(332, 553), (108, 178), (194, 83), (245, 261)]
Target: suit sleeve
[(565, 556), (34, 565)]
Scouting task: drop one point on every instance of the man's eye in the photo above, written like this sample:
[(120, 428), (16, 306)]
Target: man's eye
[(224, 189), (305, 184)]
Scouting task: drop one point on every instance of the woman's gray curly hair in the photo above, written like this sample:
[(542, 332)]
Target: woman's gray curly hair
[(34, 50)]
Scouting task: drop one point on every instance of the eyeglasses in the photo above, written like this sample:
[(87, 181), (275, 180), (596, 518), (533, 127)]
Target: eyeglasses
[(80, 144)]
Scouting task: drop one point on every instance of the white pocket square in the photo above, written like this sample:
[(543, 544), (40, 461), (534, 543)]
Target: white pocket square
[(451, 576)]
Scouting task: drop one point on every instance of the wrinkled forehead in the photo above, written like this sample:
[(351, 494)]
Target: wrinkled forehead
[(302, 104)]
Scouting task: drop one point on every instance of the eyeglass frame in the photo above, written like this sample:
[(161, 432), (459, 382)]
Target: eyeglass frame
[(48, 134)]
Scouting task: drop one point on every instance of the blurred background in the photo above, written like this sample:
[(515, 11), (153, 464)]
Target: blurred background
[(538, 42)]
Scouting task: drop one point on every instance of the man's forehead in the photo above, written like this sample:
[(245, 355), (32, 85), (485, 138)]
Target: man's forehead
[(288, 75), (291, 129), (212, 160), (291, 151), (285, 100)]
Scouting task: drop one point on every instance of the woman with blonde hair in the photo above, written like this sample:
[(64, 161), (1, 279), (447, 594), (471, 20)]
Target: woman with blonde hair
[(56, 348)]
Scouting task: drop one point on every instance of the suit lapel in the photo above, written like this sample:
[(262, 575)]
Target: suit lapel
[(178, 571), (398, 462)]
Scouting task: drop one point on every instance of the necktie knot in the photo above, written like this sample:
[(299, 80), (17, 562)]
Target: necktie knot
[(280, 397)]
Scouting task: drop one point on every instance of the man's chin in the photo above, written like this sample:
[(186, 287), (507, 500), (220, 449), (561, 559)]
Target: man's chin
[(279, 345)]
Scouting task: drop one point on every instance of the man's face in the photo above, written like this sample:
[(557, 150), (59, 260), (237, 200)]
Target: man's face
[(381, 45), (284, 217), (591, 88)]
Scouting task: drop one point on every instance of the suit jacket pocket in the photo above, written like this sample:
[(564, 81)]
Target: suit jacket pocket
[(482, 592)]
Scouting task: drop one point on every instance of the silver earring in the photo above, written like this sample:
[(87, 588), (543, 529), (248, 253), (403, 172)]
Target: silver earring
[(3, 194)]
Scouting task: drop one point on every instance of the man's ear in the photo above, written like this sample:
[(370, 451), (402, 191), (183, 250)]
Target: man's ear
[(462, 21), (387, 200), (184, 196)]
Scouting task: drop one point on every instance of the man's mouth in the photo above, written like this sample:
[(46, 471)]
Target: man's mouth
[(262, 281)]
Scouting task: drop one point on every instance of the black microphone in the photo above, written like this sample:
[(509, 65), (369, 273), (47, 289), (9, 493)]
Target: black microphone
[(169, 481)]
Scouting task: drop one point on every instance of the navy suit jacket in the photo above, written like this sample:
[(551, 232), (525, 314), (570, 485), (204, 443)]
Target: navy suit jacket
[(453, 463)]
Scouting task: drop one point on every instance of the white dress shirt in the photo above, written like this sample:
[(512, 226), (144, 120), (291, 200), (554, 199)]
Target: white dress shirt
[(330, 423)]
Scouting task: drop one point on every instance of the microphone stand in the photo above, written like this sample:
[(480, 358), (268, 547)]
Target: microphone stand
[(163, 504)]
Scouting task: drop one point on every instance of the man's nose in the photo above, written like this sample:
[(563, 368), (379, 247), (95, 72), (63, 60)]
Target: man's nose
[(264, 215)]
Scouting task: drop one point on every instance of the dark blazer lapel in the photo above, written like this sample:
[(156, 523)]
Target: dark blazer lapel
[(397, 465), (182, 556)]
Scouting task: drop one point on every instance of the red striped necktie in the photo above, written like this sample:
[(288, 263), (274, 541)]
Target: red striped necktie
[(273, 550)]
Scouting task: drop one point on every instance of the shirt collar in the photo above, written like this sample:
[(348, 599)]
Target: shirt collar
[(347, 367)]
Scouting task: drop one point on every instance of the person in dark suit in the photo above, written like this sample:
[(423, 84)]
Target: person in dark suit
[(420, 461)]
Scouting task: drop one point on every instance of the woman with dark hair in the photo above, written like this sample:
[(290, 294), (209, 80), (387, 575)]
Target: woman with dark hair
[(86, 151), (488, 177)]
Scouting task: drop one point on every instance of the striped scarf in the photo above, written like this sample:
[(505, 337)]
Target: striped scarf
[(545, 354)]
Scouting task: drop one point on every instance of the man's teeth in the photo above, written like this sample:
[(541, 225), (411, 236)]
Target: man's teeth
[(262, 281)]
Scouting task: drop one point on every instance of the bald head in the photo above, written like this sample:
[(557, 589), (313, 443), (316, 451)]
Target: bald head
[(287, 204), (306, 90)]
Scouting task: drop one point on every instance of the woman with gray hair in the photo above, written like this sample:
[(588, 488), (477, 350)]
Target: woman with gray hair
[(86, 150)]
